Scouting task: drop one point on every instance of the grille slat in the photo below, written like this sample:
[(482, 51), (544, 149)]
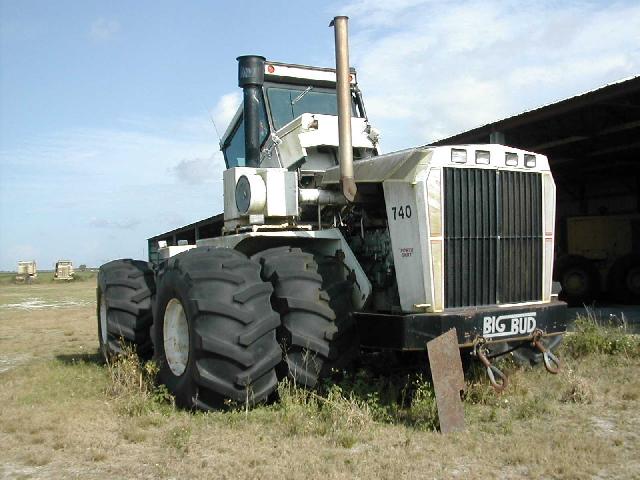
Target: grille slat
[(492, 237)]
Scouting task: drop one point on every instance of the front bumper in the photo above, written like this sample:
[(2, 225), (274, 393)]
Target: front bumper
[(494, 324)]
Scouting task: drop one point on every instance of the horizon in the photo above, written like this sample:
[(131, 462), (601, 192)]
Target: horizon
[(106, 111)]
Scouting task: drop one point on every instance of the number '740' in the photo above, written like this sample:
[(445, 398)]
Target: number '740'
[(403, 211)]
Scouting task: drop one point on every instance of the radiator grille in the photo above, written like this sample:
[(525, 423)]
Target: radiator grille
[(492, 237)]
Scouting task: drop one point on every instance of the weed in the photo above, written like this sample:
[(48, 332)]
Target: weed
[(594, 336), (178, 437), (37, 459), (577, 390), (132, 384), (133, 435), (346, 417), (96, 455), (423, 412), (531, 407)]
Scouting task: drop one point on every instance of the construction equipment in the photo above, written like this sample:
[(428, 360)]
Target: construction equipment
[(600, 258), (63, 270), (27, 271), (327, 247)]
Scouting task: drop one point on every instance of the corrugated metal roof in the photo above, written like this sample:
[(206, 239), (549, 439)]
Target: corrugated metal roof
[(631, 82)]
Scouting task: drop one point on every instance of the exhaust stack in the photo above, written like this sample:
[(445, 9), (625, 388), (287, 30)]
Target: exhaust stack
[(250, 79), (345, 149)]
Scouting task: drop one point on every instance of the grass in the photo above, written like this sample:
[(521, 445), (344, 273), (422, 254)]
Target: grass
[(593, 336), (64, 413), (44, 277)]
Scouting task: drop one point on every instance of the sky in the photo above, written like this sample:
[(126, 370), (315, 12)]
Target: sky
[(109, 110)]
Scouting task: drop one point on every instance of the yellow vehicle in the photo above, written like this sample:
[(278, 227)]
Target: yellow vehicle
[(27, 271), (63, 270), (602, 258)]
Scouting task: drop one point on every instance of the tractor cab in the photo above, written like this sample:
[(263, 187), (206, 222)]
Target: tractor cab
[(297, 121)]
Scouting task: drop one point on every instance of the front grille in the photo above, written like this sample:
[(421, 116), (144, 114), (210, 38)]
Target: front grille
[(492, 237)]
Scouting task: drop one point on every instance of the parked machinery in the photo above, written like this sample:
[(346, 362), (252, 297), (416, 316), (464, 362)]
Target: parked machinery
[(327, 247), (63, 270), (600, 259), (27, 271)]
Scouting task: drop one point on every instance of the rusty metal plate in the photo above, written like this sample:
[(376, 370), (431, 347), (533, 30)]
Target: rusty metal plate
[(448, 380)]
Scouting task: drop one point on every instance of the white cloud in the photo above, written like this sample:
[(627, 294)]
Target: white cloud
[(122, 224), (112, 188), (429, 70), (103, 29), (225, 109), (199, 170)]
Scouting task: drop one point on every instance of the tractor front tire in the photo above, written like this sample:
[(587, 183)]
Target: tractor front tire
[(624, 279), (215, 329), (338, 281), (308, 327), (124, 299)]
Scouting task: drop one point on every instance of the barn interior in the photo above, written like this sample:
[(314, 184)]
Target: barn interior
[(592, 141)]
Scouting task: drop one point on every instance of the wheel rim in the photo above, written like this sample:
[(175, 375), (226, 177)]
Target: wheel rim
[(103, 319), (176, 337), (576, 282)]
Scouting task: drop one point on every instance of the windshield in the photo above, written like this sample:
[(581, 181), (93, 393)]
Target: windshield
[(289, 103)]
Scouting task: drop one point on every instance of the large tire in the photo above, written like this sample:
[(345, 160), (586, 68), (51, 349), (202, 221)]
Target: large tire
[(308, 326), (221, 343), (579, 278), (624, 279), (338, 281), (124, 299)]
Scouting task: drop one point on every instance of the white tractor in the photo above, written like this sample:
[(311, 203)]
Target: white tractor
[(327, 247)]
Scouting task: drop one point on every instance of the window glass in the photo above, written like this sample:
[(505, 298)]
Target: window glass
[(289, 103), (234, 151)]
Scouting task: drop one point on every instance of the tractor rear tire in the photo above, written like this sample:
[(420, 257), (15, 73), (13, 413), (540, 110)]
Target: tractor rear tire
[(624, 279), (308, 327), (579, 278), (215, 330), (124, 299)]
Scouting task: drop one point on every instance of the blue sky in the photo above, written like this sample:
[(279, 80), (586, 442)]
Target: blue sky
[(105, 107)]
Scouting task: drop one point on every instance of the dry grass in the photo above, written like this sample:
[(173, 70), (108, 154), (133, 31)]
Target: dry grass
[(65, 414)]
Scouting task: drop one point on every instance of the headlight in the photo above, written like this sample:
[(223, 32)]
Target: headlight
[(483, 157), (251, 194), (511, 159), (529, 160), (458, 155)]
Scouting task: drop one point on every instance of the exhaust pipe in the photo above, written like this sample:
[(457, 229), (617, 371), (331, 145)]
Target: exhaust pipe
[(250, 79), (343, 90)]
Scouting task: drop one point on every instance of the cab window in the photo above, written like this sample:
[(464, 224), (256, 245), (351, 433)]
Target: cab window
[(234, 147), (289, 103), (234, 150)]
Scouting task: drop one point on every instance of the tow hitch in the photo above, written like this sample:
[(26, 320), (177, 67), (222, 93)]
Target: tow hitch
[(551, 362), (493, 372)]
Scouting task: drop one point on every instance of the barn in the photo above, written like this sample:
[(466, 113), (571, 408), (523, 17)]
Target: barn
[(592, 141)]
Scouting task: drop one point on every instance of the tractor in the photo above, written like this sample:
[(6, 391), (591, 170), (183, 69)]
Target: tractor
[(328, 248)]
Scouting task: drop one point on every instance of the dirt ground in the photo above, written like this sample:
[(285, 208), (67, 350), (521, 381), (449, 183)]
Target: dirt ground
[(59, 420)]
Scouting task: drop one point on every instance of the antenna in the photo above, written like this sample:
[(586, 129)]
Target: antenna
[(214, 125)]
